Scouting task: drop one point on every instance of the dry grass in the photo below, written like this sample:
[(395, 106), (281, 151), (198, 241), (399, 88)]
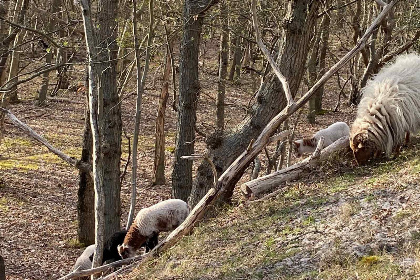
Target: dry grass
[(311, 231)]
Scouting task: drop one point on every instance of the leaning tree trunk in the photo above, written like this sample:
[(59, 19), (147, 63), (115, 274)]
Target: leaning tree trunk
[(188, 96), (299, 22)]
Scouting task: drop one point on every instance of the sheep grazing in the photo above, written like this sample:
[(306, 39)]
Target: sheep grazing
[(163, 216), (389, 110), (331, 134), (84, 261), (110, 253)]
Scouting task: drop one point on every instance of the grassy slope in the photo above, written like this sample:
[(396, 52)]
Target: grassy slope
[(349, 223)]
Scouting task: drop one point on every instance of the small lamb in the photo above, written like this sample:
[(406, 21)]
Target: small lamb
[(331, 134), (163, 216)]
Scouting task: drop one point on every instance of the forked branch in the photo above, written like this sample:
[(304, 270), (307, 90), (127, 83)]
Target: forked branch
[(267, 54)]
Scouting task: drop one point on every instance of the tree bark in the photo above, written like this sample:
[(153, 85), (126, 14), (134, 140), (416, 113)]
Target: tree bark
[(325, 27), (112, 124), (15, 35), (42, 95), (2, 269), (86, 191), (235, 68), (223, 65), (159, 162), (105, 119), (189, 88), (293, 51)]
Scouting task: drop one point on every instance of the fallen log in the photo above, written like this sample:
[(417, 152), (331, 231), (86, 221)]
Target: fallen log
[(264, 184)]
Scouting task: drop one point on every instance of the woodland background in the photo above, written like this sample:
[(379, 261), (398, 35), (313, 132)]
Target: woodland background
[(206, 88)]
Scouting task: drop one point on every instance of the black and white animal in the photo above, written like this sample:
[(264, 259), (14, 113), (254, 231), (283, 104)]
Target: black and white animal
[(331, 134), (110, 253), (163, 216), (389, 110)]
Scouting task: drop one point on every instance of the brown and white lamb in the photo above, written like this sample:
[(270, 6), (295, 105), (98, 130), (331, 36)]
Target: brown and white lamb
[(163, 216), (331, 134)]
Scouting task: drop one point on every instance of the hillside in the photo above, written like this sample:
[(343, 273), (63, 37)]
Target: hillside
[(343, 222)]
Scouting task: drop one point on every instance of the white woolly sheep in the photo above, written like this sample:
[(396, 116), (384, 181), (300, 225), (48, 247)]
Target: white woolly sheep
[(389, 110), (84, 261), (163, 216), (331, 134)]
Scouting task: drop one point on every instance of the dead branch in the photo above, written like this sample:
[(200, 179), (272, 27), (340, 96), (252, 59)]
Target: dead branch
[(49, 69), (267, 54), (400, 50), (99, 269), (280, 136), (234, 172), (266, 183), (70, 160)]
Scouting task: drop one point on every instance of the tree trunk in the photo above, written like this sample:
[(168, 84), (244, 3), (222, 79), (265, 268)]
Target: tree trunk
[(45, 80), (14, 67), (17, 35), (105, 118), (86, 192), (112, 124), (42, 97), (298, 26), (159, 162), (223, 64), (189, 88), (2, 269), (141, 80), (325, 27), (312, 63), (235, 68)]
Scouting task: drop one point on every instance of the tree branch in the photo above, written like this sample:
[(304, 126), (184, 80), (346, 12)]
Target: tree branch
[(51, 68), (70, 160), (267, 54), (32, 30), (398, 51)]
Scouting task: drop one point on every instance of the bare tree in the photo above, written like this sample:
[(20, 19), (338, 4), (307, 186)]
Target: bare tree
[(189, 89), (159, 160), (301, 17), (141, 80), (223, 64), (105, 118)]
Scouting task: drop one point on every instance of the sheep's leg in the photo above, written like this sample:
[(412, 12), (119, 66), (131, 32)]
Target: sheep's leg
[(407, 138), (152, 242)]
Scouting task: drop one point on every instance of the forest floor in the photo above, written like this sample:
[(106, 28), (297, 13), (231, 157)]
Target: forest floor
[(315, 224)]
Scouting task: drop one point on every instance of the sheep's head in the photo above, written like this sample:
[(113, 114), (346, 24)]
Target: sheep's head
[(363, 148), (125, 251)]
